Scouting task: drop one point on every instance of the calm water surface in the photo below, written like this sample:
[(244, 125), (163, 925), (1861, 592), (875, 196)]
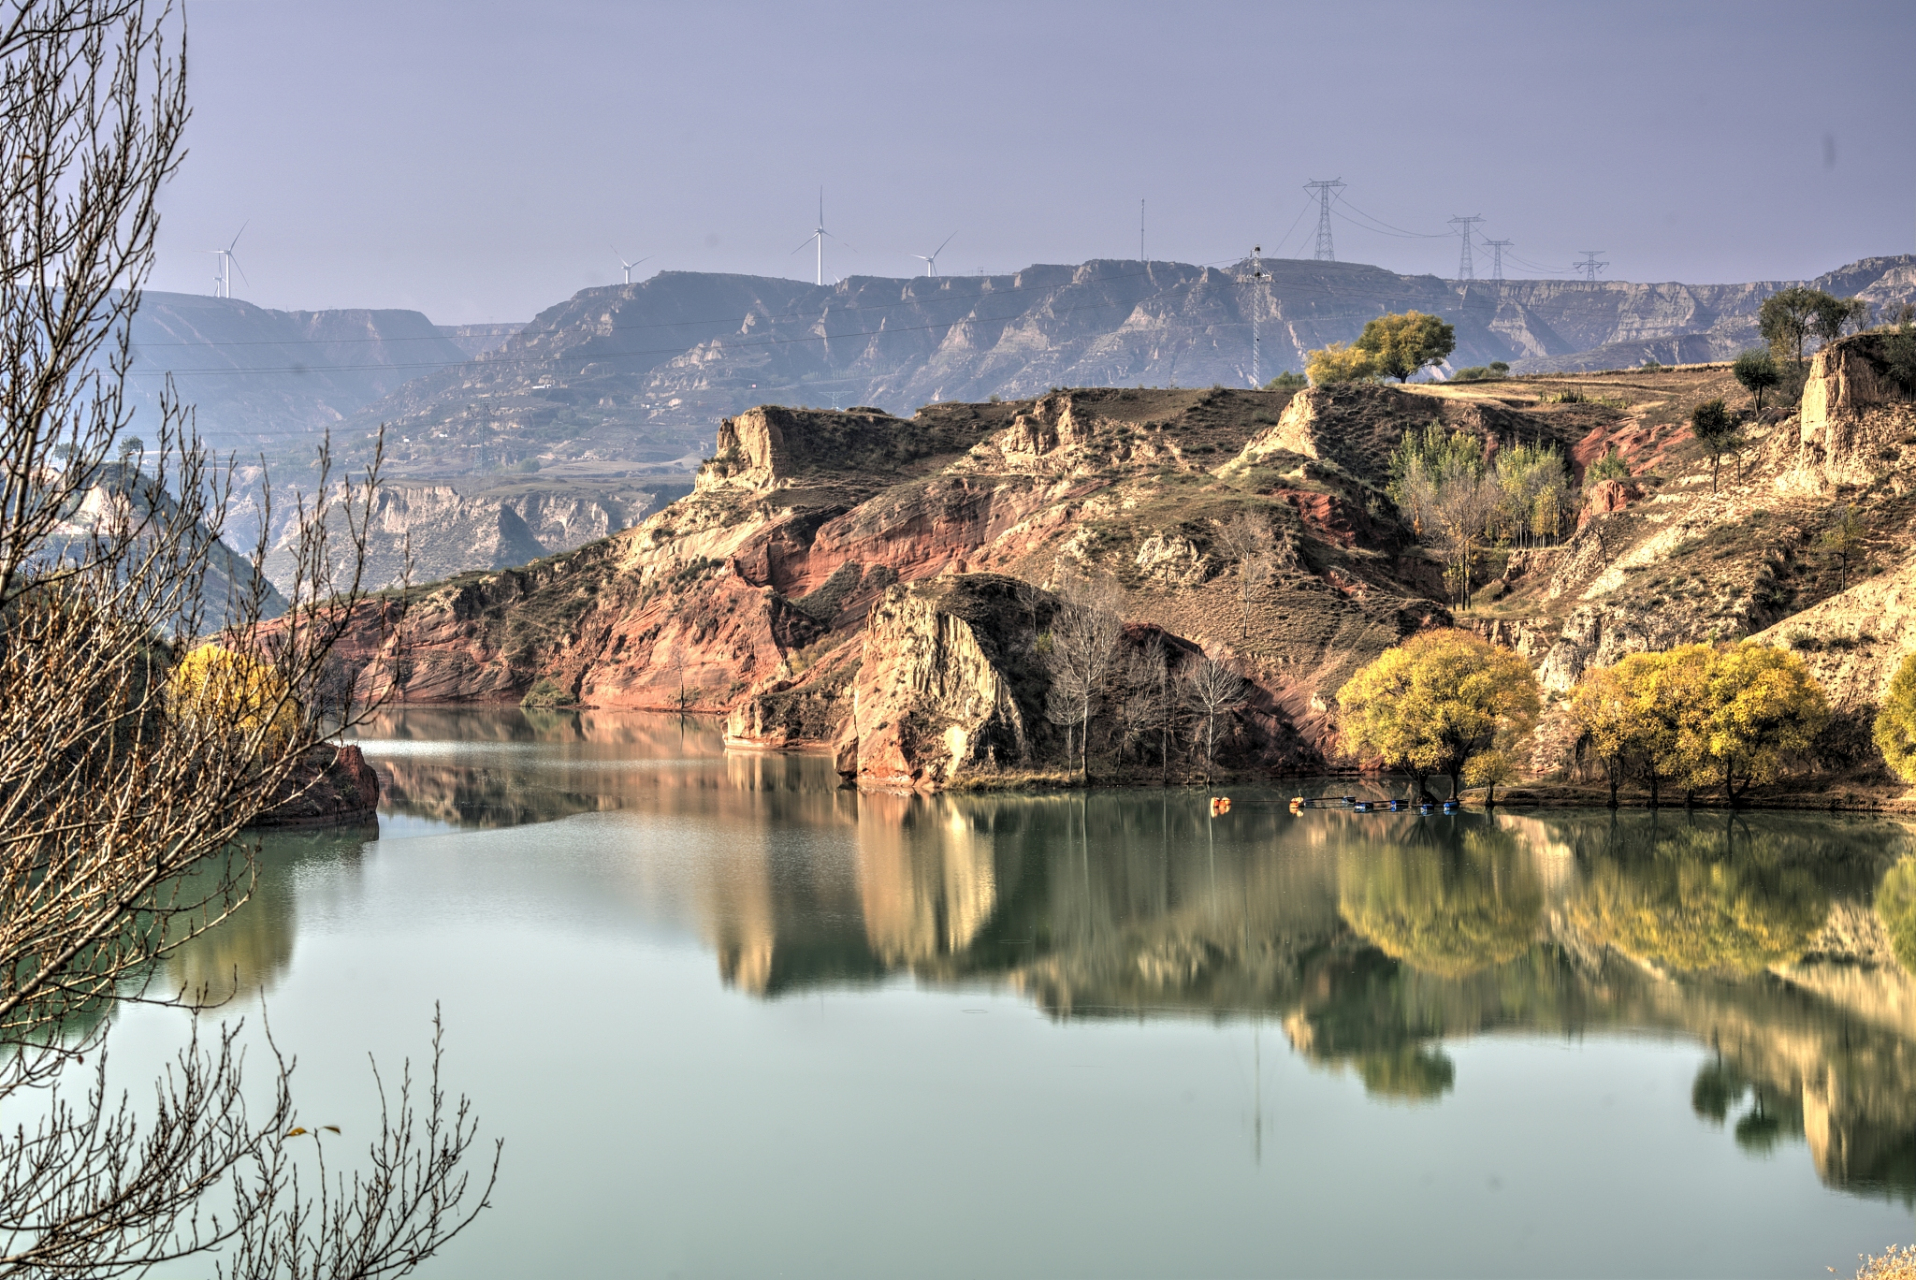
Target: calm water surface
[(733, 1021)]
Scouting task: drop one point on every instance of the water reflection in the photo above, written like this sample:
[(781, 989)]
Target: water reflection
[(246, 953), (1771, 940)]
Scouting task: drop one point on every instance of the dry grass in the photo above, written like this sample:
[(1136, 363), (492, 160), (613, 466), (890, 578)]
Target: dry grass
[(1893, 1264)]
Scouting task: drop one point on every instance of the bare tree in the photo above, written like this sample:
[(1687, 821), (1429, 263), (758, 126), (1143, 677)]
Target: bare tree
[(132, 753), (1246, 539), (1085, 634), (1145, 712), (1212, 693)]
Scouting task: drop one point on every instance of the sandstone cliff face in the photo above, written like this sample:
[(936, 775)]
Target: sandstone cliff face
[(812, 571), (949, 680), (1854, 419)]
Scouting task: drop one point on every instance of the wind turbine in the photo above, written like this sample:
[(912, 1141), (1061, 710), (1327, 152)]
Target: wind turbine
[(629, 265), (819, 236), (931, 260), (223, 282)]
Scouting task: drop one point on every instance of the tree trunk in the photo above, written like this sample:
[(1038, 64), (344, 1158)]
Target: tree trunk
[(1613, 787), (1653, 788)]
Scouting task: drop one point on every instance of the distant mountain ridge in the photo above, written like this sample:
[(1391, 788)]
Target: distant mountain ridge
[(258, 377), (640, 375)]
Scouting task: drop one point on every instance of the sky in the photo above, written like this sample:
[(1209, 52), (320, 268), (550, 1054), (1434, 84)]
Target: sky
[(481, 162)]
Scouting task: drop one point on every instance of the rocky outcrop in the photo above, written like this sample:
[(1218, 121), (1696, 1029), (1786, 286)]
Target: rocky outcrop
[(1854, 641), (1854, 418), (1606, 497), (332, 786), (949, 679)]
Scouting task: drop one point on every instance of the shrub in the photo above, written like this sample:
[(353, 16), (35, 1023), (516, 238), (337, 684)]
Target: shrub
[(1610, 466), (548, 693)]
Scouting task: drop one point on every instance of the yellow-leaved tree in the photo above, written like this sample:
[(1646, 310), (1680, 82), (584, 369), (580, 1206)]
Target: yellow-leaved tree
[(1648, 716), (1735, 914), (1896, 721), (1443, 703), (1764, 707), (1339, 362), (218, 691)]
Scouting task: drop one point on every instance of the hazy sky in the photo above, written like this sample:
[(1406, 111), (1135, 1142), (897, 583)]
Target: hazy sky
[(479, 161)]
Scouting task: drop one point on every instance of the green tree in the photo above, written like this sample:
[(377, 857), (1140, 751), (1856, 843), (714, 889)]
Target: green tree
[(1756, 370), (1896, 721), (1442, 483), (1844, 540), (1785, 319), (1834, 317), (1438, 702), (1287, 381), (1339, 362), (1717, 431), (1899, 353), (1402, 345), (1534, 484), (1764, 707)]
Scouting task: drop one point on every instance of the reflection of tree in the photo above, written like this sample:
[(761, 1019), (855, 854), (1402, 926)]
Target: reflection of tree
[(1446, 907), (1896, 905), (250, 949), (1414, 1073), (1722, 903), (1773, 1116)]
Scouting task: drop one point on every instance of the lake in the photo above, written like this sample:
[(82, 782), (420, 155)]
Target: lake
[(732, 1020)]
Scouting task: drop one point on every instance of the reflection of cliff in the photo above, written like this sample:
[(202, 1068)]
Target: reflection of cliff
[(1373, 941)]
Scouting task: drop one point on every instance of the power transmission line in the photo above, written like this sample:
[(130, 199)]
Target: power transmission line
[(1591, 264), (1466, 270), (1325, 193), (1257, 297), (1497, 248)]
